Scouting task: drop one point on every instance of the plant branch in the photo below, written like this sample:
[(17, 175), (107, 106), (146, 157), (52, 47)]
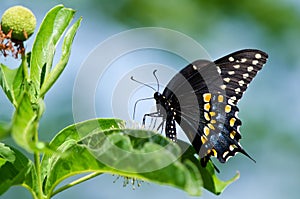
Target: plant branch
[(37, 163), (25, 66), (75, 182)]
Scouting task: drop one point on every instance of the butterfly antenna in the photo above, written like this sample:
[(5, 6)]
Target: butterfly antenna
[(133, 116), (154, 74), (142, 83)]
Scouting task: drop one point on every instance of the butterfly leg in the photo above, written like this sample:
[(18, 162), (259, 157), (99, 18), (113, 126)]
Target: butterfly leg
[(153, 122), (161, 125), (154, 114)]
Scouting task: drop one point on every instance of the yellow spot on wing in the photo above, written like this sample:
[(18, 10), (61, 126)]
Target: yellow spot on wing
[(212, 113), (206, 97), (211, 126), (232, 134), (227, 108), (203, 139), (206, 116), (232, 121), (214, 152), (220, 98), (207, 106), (231, 147), (208, 151), (206, 131)]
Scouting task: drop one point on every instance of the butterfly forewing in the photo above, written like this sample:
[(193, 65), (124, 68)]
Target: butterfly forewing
[(238, 69)]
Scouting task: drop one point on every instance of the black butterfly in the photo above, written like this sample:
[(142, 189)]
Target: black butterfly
[(202, 98)]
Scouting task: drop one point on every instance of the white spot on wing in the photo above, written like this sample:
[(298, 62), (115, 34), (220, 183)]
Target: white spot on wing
[(223, 87), (237, 90), (227, 79), (257, 56), (243, 60), (231, 72), (231, 59), (233, 98), (245, 75), (250, 68), (231, 102), (255, 62), (241, 82), (225, 154)]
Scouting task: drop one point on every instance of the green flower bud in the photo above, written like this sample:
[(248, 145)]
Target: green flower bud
[(20, 20)]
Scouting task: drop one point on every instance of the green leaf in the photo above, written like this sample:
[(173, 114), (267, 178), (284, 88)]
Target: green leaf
[(7, 76), (18, 171), (12, 82), (94, 146), (60, 66), (63, 141), (104, 146), (5, 129), (6, 154), (51, 30), (211, 182), (24, 124)]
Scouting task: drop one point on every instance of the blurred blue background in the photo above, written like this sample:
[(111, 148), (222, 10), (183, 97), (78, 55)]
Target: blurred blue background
[(269, 110)]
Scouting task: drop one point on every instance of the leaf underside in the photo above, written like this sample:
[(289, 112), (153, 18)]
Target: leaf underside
[(105, 146)]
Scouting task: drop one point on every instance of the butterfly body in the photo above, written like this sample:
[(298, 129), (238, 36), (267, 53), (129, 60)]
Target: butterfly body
[(202, 98)]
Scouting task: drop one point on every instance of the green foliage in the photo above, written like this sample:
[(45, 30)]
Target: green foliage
[(91, 147), (103, 146), (17, 170), (202, 15)]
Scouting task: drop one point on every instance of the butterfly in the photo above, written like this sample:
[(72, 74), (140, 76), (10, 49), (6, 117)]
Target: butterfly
[(202, 99)]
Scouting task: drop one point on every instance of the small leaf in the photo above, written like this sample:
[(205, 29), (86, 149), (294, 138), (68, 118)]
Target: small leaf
[(66, 51), (12, 82), (6, 154), (20, 83), (51, 30), (20, 171), (6, 79), (212, 182), (23, 123)]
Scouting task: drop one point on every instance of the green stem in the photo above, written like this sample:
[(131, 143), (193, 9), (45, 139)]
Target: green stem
[(37, 163), (38, 172), (80, 180), (25, 66)]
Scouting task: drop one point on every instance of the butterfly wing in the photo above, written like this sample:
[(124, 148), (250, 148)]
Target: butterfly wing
[(204, 95), (238, 69)]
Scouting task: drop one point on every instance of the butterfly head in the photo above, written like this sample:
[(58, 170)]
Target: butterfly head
[(157, 96)]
